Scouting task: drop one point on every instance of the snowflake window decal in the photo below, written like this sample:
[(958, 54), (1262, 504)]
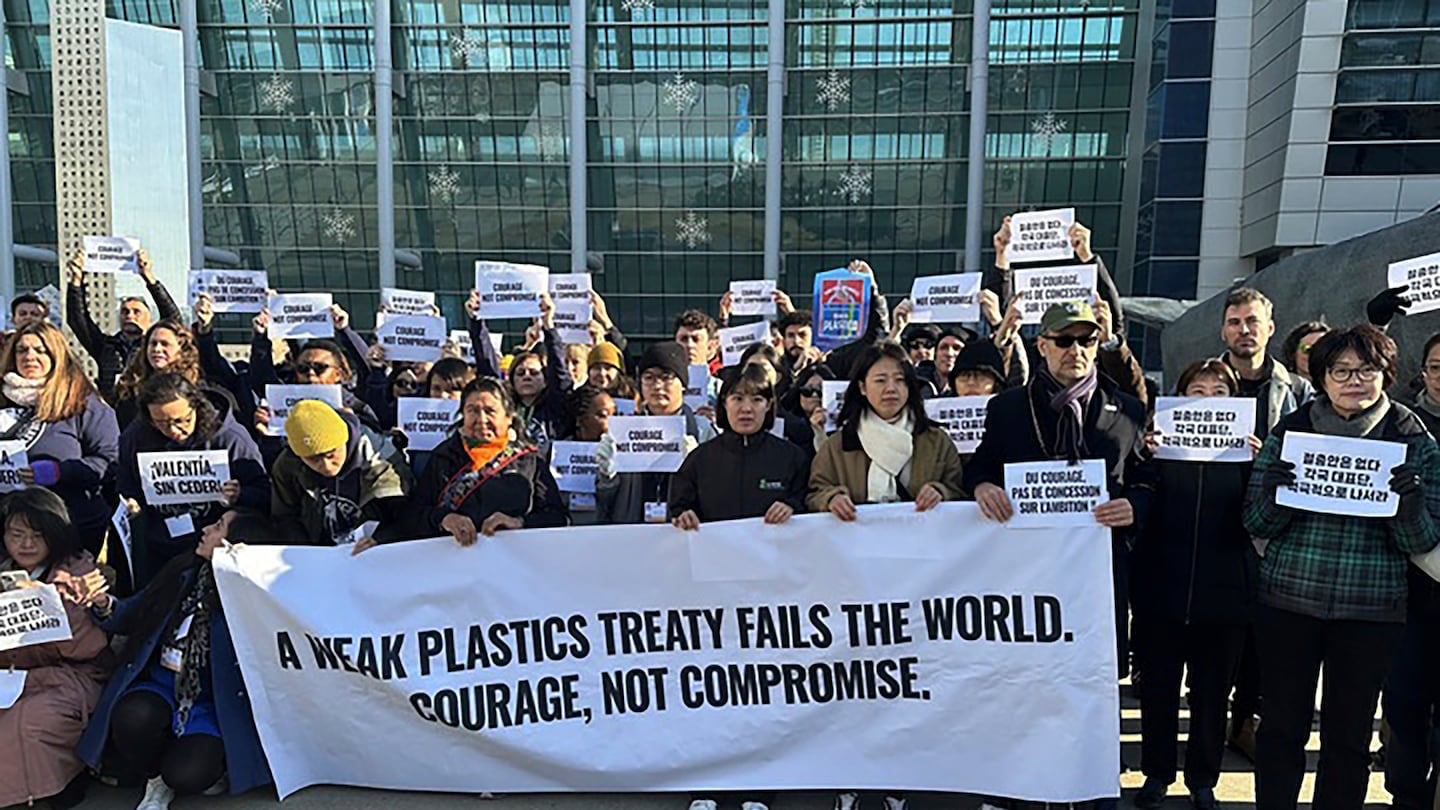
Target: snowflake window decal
[(681, 93), (692, 230), (277, 93), (834, 90), (1046, 127), (633, 6), (855, 184), (444, 185), (266, 8), (339, 226), (471, 47)]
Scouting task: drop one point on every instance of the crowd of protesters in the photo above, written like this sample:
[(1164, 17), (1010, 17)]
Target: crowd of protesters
[(1212, 577)]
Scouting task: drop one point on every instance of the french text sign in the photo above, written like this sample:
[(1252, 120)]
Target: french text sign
[(1055, 494), (231, 290), (1054, 285)]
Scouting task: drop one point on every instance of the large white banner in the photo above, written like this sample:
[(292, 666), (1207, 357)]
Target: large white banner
[(882, 653)]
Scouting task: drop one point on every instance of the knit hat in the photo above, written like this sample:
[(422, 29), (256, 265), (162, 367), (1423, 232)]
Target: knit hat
[(669, 356), (605, 353), (982, 355), (313, 428)]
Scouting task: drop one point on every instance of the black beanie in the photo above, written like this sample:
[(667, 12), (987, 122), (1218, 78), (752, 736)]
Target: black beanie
[(667, 355), (982, 355)]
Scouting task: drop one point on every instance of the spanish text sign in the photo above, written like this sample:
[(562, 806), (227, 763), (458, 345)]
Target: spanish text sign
[(1055, 494), (1422, 274), (184, 476), (624, 658), (1339, 475), (1204, 428)]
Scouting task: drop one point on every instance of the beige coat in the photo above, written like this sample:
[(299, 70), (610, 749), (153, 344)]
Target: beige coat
[(842, 467), (62, 682)]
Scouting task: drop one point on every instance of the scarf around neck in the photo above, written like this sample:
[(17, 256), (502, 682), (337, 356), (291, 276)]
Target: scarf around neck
[(1428, 405), (195, 647), (1325, 420), (482, 453), (21, 391), (1068, 402), (890, 446)]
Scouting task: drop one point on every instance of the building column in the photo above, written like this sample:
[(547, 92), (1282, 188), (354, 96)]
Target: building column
[(774, 141), (579, 150), (190, 38), (979, 110), (384, 143)]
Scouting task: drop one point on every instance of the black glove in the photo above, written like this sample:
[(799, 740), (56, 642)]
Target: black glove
[(1380, 309), (1405, 481), (1277, 475)]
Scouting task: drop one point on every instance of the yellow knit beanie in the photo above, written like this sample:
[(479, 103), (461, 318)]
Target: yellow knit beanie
[(313, 428)]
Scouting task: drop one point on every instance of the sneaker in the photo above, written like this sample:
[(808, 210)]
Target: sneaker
[(1204, 799), (1152, 794), (894, 803), (158, 795), (220, 788), (703, 804), (847, 801), (754, 806)]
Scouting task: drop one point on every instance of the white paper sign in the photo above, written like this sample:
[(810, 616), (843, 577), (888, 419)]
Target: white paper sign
[(1204, 428), (1338, 475), (461, 337), (574, 466), (121, 521), (13, 459), (231, 290), (832, 396), (625, 407), (12, 685), (32, 616), (406, 302), (570, 293), (412, 338), (180, 525), (1055, 494), (1423, 276), (1053, 285), (281, 398), (648, 443), (753, 298), (425, 421), (50, 294), (945, 299), (183, 476), (1041, 236), (697, 386), (111, 254), (736, 339), (510, 290), (299, 316), (961, 417)]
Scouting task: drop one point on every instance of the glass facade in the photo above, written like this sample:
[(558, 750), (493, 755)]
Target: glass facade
[(874, 137)]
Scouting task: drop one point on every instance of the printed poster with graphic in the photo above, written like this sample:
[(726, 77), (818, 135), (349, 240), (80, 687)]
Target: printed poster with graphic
[(841, 307)]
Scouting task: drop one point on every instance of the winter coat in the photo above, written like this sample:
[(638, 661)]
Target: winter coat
[(1281, 394), (1193, 562), (622, 498), (143, 618), (127, 409), (1340, 566), (111, 353), (152, 544), (63, 680), (842, 468), (548, 418), (734, 476), (518, 483), (308, 509), (1424, 596), (220, 372)]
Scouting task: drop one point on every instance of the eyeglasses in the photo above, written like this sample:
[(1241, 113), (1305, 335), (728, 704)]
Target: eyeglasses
[(922, 344), (179, 421), (810, 392), (658, 378), (408, 385), (1066, 341), (313, 369), (1340, 375), (526, 371), (1432, 371)]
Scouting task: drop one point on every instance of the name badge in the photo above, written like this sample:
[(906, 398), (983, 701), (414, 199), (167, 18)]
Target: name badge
[(172, 659), (655, 512), (180, 525)]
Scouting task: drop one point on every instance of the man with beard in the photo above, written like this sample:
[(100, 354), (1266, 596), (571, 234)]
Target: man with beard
[(112, 352), (797, 340)]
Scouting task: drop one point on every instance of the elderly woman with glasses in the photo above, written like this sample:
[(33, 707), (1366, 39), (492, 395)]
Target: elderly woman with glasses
[(1332, 587)]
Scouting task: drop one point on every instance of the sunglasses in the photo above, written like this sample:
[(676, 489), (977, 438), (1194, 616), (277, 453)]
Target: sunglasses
[(313, 369), (408, 385), (810, 392), (1066, 341), (922, 344)]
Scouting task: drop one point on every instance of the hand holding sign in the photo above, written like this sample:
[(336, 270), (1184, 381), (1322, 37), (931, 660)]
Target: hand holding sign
[(1040, 236), (1338, 475), (1421, 278)]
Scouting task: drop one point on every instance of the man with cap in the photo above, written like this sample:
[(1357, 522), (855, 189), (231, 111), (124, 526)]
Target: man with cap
[(623, 498), (112, 353), (329, 481)]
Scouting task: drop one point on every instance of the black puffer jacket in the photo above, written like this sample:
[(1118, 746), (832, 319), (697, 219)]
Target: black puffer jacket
[(1424, 592), (518, 484), (733, 476)]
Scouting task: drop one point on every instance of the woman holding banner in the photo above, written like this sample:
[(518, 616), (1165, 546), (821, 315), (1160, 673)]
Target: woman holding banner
[(1332, 587), (61, 679), (179, 416), (68, 432), (488, 476)]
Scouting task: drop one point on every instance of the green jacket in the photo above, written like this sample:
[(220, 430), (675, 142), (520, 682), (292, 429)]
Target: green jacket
[(1337, 566)]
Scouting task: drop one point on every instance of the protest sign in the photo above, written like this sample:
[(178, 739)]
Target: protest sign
[(625, 407), (281, 398), (574, 466), (1055, 494), (832, 396), (510, 290), (121, 521), (299, 316), (840, 307), (111, 254), (648, 443), (407, 302), (961, 417), (50, 294), (1338, 475), (33, 615), (639, 658), (573, 309), (13, 458), (425, 421), (736, 339), (1053, 285), (753, 298), (945, 299), (1422, 274), (412, 338), (183, 476), (231, 290), (697, 386), (461, 337), (1204, 428), (1041, 236), (12, 685)]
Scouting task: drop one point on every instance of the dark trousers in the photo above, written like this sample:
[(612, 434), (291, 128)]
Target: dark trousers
[(1246, 705), (1356, 656), (1412, 707), (1212, 653)]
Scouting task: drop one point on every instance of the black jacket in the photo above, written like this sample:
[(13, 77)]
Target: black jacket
[(522, 487), (1424, 592), (1194, 562), (733, 476), (111, 352)]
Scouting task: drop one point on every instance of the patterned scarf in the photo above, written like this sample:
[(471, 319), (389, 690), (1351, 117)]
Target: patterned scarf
[(465, 482), (195, 647), (1069, 402)]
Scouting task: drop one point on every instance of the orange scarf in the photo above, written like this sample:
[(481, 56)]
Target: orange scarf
[(483, 453)]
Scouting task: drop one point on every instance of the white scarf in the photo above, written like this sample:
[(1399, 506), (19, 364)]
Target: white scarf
[(889, 446), (21, 391)]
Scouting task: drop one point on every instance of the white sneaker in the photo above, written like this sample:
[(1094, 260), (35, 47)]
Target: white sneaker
[(894, 803), (220, 788), (703, 804), (754, 806), (847, 801), (158, 795)]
